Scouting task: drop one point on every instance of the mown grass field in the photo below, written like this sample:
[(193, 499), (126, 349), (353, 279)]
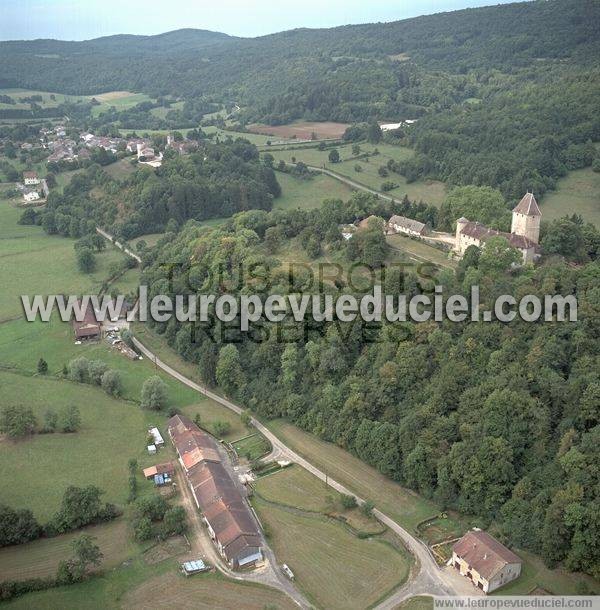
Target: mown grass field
[(576, 193), (223, 134), (306, 194), (40, 558), (331, 566), (36, 263), (137, 585), (209, 591), (429, 191), (401, 504)]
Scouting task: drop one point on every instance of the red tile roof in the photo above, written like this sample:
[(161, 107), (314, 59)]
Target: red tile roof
[(479, 231), (484, 553)]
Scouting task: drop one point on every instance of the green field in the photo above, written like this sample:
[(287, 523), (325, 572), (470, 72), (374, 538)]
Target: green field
[(305, 194), (36, 263), (429, 191), (37, 470), (252, 447), (137, 585), (420, 251), (40, 558), (223, 134), (576, 193), (403, 505), (119, 99), (119, 170), (333, 567)]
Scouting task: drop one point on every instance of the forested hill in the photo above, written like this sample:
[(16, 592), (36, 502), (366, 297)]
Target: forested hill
[(193, 62)]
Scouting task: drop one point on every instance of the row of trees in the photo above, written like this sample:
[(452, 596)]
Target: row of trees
[(80, 506)]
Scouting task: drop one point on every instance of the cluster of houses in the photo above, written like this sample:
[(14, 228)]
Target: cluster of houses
[(226, 513)]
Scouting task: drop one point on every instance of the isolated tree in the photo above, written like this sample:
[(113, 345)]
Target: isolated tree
[(355, 150), (334, 156), (154, 394), (374, 133), (112, 383), (42, 366), (17, 421), (86, 554), (86, 261), (18, 526), (221, 428)]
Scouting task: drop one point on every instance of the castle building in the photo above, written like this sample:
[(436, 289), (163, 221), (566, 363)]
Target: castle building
[(524, 233)]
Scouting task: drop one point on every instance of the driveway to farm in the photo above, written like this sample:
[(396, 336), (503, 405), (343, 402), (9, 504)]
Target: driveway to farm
[(429, 577)]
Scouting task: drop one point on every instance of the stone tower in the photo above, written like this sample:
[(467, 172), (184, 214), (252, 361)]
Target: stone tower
[(526, 218)]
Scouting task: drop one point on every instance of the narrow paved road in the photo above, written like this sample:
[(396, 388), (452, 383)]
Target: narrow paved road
[(429, 578)]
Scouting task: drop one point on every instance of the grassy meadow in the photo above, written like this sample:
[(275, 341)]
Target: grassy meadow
[(306, 194), (577, 193), (332, 566), (430, 191), (40, 558), (119, 99)]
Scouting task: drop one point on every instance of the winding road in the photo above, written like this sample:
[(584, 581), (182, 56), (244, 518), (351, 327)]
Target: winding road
[(427, 579)]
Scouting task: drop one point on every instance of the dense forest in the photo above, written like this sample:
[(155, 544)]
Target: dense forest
[(500, 421), (218, 180)]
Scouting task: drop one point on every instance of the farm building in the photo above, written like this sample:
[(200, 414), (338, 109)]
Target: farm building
[(89, 327), (161, 474), (408, 226), (30, 195), (485, 561), (227, 516)]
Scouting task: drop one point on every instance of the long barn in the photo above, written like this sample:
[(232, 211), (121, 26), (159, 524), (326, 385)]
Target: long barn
[(225, 512)]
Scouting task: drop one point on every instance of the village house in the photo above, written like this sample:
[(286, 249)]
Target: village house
[(408, 226), (30, 178), (485, 561), (524, 233), (225, 512)]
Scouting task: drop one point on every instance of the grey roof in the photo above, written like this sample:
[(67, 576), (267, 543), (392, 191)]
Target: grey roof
[(407, 223)]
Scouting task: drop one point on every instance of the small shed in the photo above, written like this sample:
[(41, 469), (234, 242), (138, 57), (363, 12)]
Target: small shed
[(151, 449)]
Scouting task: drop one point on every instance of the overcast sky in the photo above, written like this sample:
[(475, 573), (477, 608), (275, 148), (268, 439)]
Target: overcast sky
[(84, 19)]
